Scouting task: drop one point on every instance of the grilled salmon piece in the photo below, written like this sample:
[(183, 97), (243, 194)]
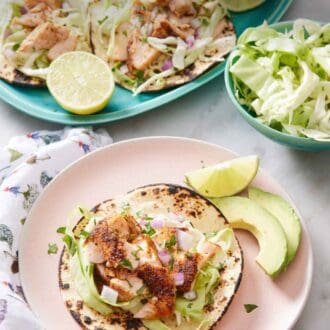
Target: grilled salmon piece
[(121, 42), (30, 20), (44, 37), (64, 46), (188, 265), (146, 251), (127, 288), (164, 28), (104, 245), (161, 284), (139, 53), (106, 242)]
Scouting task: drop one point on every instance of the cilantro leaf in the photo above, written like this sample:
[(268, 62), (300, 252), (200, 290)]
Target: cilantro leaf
[(148, 230), (250, 307), (126, 264), (171, 242), (52, 248), (61, 230)]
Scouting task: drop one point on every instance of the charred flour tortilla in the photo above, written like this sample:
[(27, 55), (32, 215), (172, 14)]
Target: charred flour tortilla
[(156, 44), (160, 199), (33, 33)]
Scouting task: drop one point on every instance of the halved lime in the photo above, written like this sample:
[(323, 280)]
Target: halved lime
[(80, 82), (241, 5), (224, 179)]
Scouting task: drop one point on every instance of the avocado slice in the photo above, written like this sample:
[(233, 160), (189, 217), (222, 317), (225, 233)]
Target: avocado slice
[(284, 213), (243, 213)]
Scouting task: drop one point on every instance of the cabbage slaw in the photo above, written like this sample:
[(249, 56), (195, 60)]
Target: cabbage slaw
[(180, 53), (284, 78)]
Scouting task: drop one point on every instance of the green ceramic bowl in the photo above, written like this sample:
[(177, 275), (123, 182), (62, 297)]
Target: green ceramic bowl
[(280, 137)]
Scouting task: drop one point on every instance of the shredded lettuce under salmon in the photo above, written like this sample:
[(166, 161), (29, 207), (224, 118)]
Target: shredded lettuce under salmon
[(284, 77)]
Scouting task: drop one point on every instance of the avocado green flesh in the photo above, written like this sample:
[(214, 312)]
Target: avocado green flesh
[(284, 213), (243, 213)]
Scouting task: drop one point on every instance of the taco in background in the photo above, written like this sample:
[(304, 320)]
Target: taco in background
[(160, 257), (33, 33), (155, 44)]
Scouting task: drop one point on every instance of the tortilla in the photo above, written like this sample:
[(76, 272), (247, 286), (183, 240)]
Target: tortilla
[(15, 77), (61, 34), (157, 199), (200, 65)]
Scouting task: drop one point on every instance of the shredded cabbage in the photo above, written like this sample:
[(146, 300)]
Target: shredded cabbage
[(284, 77), (205, 282)]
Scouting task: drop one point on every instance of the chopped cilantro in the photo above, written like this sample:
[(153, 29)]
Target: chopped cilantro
[(61, 230), (189, 305), (84, 234), (205, 21), (139, 76), (250, 307), (15, 47), (171, 242), (52, 248), (126, 264), (101, 21), (125, 33), (148, 230), (70, 244)]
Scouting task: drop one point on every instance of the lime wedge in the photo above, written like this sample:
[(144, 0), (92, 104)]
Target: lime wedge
[(224, 179), (80, 82), (241, 5)]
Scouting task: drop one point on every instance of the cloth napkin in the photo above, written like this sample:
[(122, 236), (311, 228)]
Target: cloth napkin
[(27, 164)]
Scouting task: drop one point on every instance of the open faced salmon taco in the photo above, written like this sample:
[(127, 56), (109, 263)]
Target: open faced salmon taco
[(160, 257), (33, 33), (155, 44)]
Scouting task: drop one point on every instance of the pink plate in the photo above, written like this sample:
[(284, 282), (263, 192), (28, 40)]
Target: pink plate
[(120, 168)]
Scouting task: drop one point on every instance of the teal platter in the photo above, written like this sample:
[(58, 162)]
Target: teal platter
[(294, 142), (40, 104)]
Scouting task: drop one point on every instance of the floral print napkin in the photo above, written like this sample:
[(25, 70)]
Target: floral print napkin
[(27, 164)]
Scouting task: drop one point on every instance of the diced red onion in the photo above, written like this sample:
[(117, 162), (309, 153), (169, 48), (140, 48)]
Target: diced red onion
[(142, 222), (23, 10), (190, 41), (164, 257), (178, 279), (190, 295), (167, 65), (157, 223), (185, 240)]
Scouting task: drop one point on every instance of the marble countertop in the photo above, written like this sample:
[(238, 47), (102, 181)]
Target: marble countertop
[(207, 114)]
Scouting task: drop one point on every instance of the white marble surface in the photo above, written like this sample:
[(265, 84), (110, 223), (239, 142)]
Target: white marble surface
[(207, 114)]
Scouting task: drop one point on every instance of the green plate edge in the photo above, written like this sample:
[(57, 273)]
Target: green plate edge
[(38, 103), (294, 142)]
